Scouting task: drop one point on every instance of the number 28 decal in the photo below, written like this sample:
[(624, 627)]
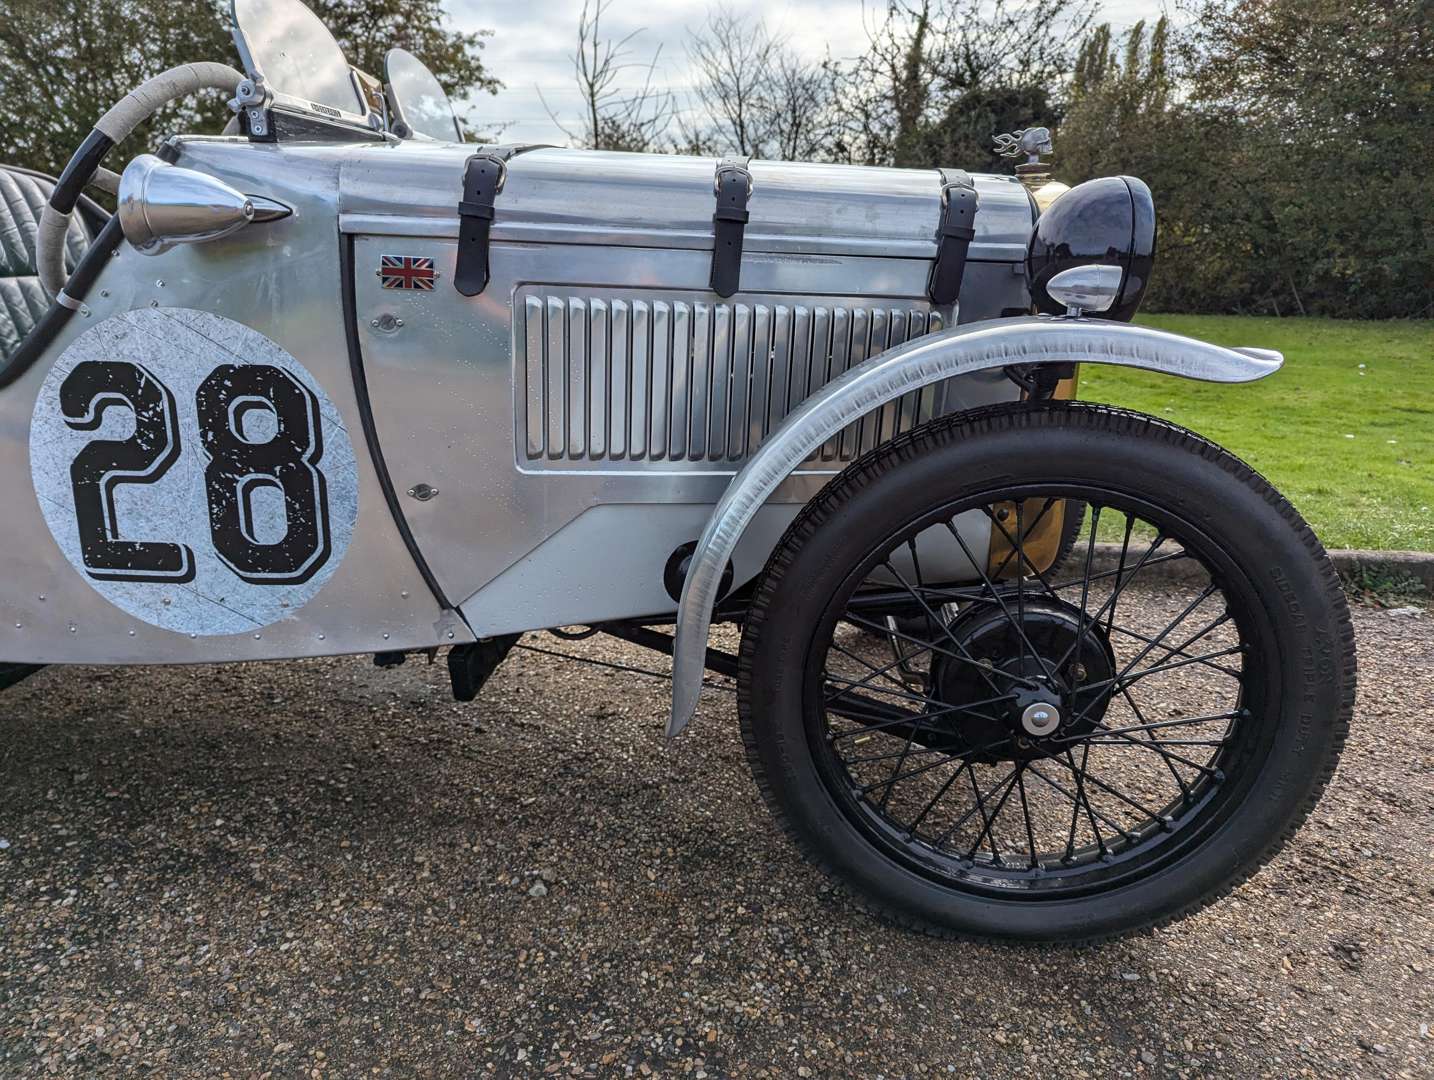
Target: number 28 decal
[(193, 471), (288, 461)]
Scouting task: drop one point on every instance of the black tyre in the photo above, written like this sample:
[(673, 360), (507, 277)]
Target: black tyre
[(1062, 756)]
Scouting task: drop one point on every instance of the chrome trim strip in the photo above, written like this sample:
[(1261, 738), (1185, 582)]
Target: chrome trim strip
[(959, 351)]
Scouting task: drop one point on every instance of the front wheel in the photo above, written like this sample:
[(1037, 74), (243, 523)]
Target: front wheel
[(1051, 756)]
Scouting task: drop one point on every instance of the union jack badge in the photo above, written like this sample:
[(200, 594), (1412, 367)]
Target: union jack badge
[(407, 272)]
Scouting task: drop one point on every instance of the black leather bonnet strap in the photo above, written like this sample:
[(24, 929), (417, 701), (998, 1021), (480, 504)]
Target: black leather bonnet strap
[(483, 178), (733, 187), (953, 235)]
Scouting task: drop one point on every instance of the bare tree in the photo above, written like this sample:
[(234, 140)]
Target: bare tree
[(615, 116), (925, 54), (1009, 42), (733, 63), (755, 95), (804, 121)]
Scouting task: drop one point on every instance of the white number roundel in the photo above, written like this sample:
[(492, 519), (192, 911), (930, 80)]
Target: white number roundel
[(192, 471)]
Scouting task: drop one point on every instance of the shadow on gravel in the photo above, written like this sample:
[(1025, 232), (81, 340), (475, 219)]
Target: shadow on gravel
[(321, 866)]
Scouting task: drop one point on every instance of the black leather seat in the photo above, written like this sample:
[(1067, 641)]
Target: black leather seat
[(23, 195)]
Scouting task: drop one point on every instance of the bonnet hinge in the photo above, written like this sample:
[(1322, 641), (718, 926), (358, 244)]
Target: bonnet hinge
[(954, 234), (733, 187), (483, 179)]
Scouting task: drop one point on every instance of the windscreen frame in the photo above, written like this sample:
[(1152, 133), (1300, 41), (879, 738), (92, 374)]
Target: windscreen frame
[(269, 94)]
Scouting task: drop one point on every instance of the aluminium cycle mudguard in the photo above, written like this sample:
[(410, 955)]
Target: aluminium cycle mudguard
[(958, 351)]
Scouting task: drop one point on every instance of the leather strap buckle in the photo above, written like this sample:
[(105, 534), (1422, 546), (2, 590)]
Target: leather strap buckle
[(732, 186), (954, 233), (483, 178)]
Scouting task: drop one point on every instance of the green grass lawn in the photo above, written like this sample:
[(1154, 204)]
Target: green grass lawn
[(1345, 430)]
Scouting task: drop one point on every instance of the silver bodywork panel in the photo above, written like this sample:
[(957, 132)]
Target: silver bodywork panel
[(282, 279), (597, 370), (561, 196), (886, 378), (548, 443), (455, 408)]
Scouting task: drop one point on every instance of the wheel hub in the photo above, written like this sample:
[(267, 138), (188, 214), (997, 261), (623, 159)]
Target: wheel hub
[(1054, 671)]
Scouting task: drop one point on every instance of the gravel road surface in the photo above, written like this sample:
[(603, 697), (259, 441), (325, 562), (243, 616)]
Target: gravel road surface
[(324, 869)]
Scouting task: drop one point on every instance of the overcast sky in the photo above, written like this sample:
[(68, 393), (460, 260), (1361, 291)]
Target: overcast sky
[(533, 41)]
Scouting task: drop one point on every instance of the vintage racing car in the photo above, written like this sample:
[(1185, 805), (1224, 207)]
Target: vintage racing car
[(1010, 666)]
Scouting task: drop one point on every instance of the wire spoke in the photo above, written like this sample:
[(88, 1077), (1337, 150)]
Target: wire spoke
[(1016, 624), (909, 718), (1105, 575), (979, 806), (1169, 651), (1117, 679), (987, 829), (1121, 584), (1115, 826), (967, 658), (1160, 669), (848, 689), (963, 755), (1098, 782), (944, 628), (1026, 813), (1148, 734), (876, 672), (1077, 803), (1019, 633), (1017, 548), (865, 708), (1156, 725), (1126, 740)]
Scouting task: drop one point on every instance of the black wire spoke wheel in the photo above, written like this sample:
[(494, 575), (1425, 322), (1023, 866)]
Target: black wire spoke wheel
[(1047, 736), (989, 726)]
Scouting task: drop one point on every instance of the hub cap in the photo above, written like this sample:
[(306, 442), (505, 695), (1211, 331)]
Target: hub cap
[(1040, 719)]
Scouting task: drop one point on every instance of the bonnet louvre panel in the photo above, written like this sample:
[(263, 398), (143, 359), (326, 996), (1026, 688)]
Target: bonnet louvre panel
[(627, 378)]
